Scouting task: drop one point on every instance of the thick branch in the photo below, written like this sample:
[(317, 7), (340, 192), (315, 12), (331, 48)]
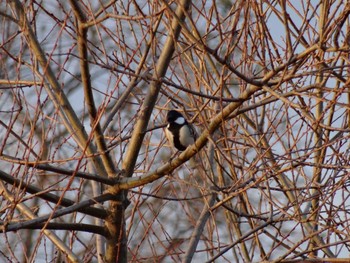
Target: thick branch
[(92, 211), (152, 95), (58, 213)]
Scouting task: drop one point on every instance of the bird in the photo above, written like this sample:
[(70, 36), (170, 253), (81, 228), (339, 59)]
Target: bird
[(179, 132)]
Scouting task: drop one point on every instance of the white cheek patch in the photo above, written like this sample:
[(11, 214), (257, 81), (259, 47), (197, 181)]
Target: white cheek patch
[(180, 120)]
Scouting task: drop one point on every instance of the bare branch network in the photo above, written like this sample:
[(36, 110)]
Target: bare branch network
[(87, 174)]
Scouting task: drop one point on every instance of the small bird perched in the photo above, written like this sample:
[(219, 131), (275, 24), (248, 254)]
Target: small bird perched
[(178, 131)]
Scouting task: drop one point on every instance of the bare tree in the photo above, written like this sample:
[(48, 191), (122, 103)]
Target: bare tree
[(87, 174)]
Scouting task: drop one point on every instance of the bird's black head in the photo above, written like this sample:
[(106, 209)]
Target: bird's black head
[(173, 115)]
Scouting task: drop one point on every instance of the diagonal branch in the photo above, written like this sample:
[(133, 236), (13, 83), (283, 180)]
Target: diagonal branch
[(134, 81), (117, 244), (152, 95), (198, 230), (88, 228), (57, 213), (29, 214), (54, 90), (233, 107), (89, 96), (92, 211)]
